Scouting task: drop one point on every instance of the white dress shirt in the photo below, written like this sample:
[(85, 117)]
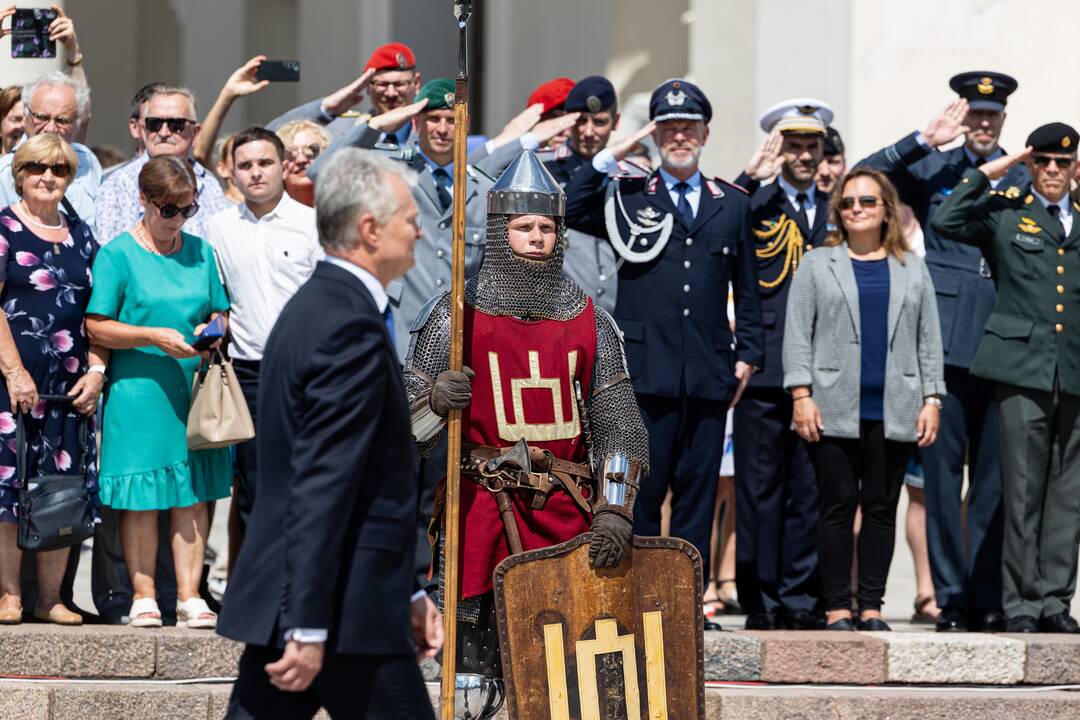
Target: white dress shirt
[(262, 263), (1065, 214), (792, 193)]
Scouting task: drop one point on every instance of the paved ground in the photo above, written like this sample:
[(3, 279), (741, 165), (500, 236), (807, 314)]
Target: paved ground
[(899, 593)]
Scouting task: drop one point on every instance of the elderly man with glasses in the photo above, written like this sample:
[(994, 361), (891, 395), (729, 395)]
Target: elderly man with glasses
[(58, 105), (168, 125)]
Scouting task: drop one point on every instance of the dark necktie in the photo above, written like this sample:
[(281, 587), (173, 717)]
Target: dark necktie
[(800, 203), (979, 160), (389, 141), (442, 180), (388, 317), (1055, 212), (683, 205)]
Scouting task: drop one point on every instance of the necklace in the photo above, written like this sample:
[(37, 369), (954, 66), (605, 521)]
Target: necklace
[(30, 219), (149, 245)]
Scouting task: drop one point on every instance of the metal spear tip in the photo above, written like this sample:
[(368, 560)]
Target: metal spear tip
[(462, 9)]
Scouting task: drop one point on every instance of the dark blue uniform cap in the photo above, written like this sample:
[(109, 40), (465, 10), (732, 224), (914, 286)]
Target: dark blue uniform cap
[(677, 99), (984, 90), (592, 94)]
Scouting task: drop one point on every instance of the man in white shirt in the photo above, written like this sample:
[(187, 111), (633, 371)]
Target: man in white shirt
[(266, 248)]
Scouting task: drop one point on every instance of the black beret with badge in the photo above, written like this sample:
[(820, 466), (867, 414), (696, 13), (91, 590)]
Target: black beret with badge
[(1055, 137), (834, 144), (984, 90), (677, 99), (592, 94)]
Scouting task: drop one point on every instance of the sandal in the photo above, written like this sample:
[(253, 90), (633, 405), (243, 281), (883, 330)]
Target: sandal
[(731, 602), (196, 614), (144, 613), (11, 616), (58, 615), (921, 617)]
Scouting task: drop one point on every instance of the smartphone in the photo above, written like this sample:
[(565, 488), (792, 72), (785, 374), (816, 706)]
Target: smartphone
[(210, 334), (279, 71), (30, 33)]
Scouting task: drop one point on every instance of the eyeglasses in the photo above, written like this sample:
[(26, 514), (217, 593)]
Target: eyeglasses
[(1062, 161), (60, 170), (40, 120), (169, 210), (865, 201), (308, 152), (176, 125), (382, 86)]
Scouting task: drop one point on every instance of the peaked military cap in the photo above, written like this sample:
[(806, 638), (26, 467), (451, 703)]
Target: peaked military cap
[(526, 188), (592, 94), (678, 99), (834, 144), (438, 92), (984, 90), (1053, 137), (798, 115)]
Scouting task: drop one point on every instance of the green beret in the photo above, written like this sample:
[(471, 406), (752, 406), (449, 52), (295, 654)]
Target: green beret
[(439, 94)]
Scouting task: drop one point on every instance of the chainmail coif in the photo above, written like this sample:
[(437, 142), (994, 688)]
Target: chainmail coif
[(519, 287)]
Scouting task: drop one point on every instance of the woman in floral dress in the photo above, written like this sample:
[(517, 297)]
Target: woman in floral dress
[(45, 284)]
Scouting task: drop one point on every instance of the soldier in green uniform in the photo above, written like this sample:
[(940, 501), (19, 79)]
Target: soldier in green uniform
[(1031, 349)]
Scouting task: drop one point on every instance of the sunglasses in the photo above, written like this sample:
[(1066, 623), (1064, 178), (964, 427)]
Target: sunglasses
[(307, 152), (176, 125), (60, 170), (864, 201), (170, 211), (1059, 160)]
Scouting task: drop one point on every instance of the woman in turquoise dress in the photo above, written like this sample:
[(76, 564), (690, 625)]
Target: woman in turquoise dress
[(155, 288)]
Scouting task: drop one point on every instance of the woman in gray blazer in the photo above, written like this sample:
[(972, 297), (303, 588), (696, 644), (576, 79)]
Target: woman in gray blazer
[(863, 363)]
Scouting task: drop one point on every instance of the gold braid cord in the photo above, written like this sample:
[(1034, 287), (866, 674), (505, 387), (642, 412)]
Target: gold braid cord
[(783, 236)]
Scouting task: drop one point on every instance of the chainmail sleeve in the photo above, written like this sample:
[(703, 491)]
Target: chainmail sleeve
[(620, 440), (429, 355)]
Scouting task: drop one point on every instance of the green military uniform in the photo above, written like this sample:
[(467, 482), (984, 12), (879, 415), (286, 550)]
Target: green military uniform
[(1031, 348)]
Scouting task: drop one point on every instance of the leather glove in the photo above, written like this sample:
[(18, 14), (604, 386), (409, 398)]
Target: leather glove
[(452, 391), (611, 533)]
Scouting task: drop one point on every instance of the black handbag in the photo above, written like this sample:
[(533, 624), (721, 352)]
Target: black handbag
[(55, 511)]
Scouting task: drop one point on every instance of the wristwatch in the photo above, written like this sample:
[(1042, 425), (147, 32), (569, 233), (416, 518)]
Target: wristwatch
[(98, 369), (935, 401)]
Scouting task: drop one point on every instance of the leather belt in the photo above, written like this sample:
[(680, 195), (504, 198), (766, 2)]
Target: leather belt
[(548, 473)]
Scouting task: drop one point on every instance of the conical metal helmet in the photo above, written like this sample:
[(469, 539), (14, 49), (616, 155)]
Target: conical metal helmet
[(526, 188)]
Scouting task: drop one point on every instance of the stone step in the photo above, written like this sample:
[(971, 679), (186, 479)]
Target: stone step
[(100, 652), (159, 700)]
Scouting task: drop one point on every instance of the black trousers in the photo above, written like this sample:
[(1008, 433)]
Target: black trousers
[(686, 446), (776, 515), (966, 569), (247, 372), (866, 472), (372, 687)]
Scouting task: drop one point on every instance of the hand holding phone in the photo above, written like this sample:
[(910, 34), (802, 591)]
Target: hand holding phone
[(212, 333), (279, 71)]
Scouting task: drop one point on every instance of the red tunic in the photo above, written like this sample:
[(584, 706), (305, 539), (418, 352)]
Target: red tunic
[(524, 387)]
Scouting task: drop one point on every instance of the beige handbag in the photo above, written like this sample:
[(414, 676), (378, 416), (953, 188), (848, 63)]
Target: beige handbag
[(218, 416)]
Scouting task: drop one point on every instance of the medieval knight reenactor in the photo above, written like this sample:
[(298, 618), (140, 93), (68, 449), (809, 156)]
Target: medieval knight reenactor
[(553, 444)]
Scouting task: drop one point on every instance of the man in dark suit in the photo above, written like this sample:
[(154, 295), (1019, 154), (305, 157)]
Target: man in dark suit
[(966, 570), (776, 493), (682, 238), (321, 590)]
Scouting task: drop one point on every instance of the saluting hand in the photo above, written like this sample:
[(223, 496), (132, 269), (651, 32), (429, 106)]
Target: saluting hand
[(765, 163), (622, 148), (394, 118), (997, 168), (807, 419), (520, 124), (341, 100), (547, 129), (949, 125)]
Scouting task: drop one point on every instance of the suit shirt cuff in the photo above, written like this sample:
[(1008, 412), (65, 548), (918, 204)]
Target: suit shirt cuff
[(417, 595), (307, 635), (529, 142), (605, 162), (921, 139)]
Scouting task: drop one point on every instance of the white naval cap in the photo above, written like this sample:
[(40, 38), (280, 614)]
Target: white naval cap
[(799, 115)]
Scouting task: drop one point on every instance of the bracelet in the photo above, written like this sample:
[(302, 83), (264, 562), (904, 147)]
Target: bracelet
[(97, 369), (77, 61), (935, 401), (801, 397)]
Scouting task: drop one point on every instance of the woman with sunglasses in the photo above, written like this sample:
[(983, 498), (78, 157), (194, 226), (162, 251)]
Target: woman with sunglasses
[(304, 142), (156, 289), (45, 285), (864, 365)]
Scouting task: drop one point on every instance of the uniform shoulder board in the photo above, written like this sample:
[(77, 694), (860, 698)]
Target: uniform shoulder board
[(720, 182), (652, 184), (628, 169), (424, 315)]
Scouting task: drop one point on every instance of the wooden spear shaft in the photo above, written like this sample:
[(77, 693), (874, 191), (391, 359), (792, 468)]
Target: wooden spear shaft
[(451, 565)]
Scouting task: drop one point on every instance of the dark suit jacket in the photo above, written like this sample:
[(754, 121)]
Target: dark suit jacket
[(769, 205), (673, 310), (962, 278), (332, 535)]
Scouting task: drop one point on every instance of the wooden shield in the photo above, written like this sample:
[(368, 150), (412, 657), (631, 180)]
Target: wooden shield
[(620, 644)]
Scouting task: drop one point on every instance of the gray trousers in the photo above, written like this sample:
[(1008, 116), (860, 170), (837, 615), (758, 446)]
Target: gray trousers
[(1042, 508)]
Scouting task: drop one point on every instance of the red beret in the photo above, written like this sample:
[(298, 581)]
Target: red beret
[(391, 56), (551, 94)]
